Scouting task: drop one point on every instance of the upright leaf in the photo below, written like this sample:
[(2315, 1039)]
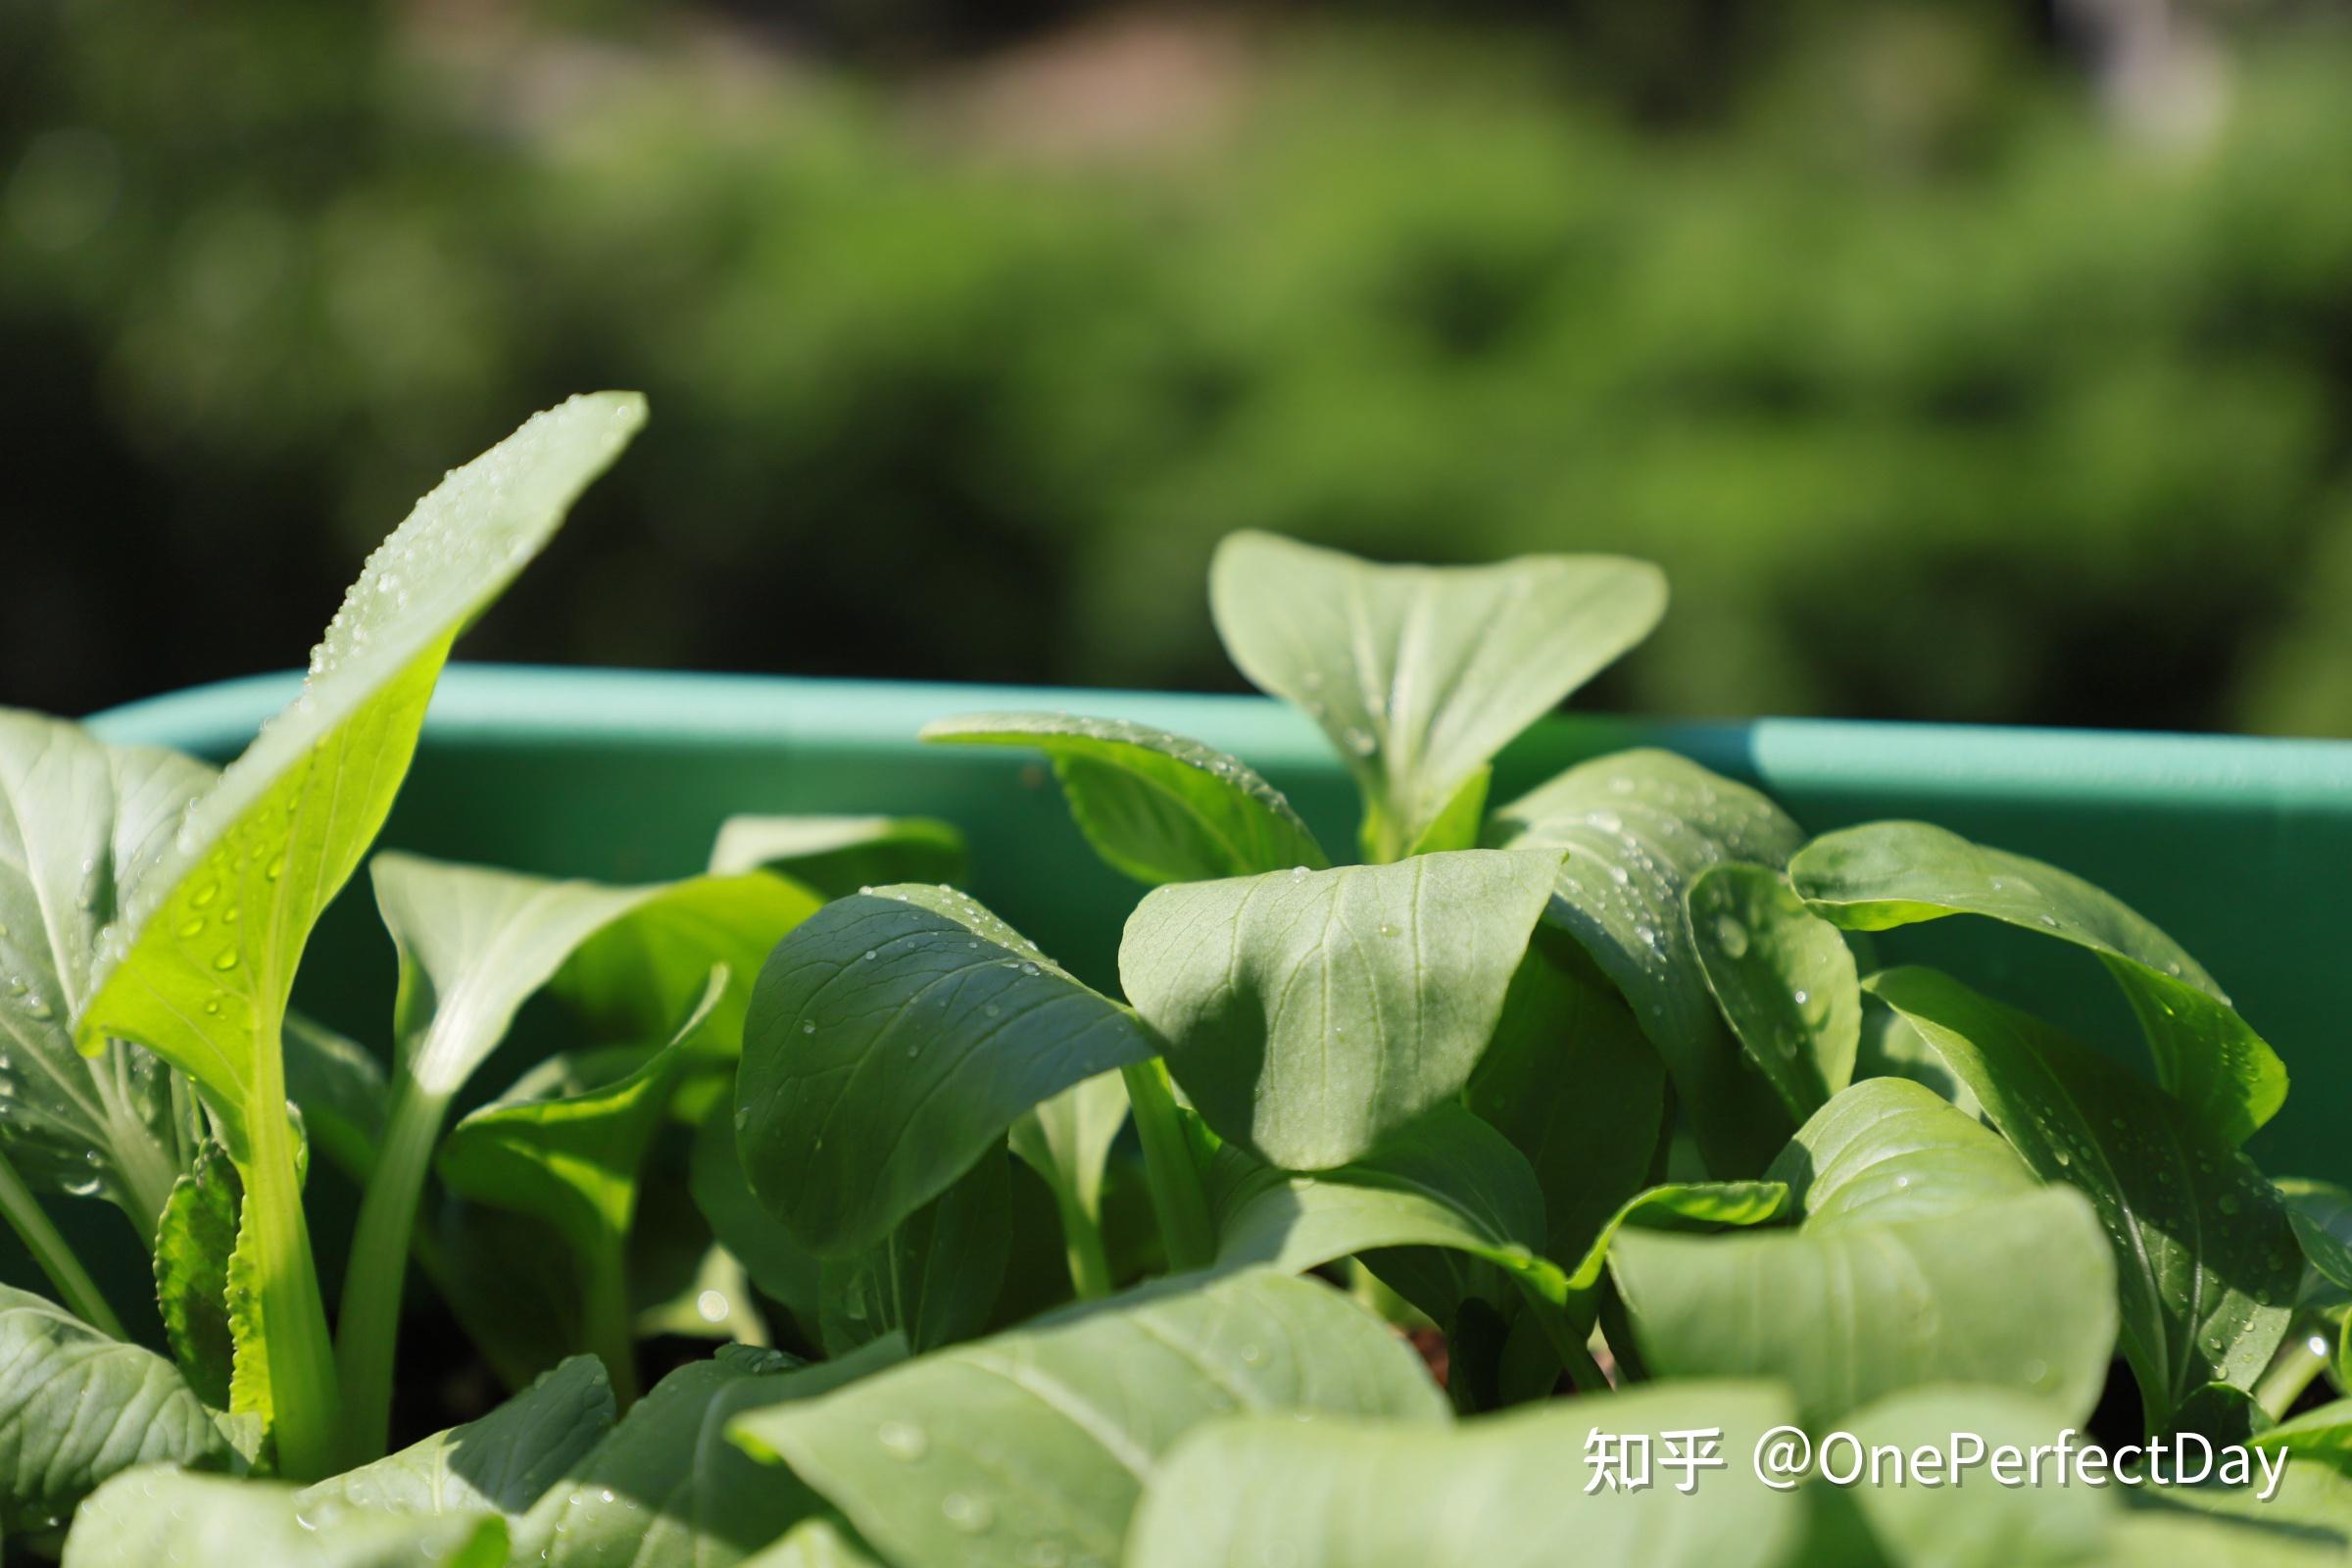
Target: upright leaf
[(891, 1042), (933, 1279), (839, 854), (1067, 1140), (1928, 1253), (1420, 675), (501, 1463), (2205, 1255), (1640, 827), (919, 1457), (200, 964), (1500, 1491), (1155, 806), (193, 1242), (80, 825), (1784, 979), (78, 1406), (1572, 1082), (2321, 1216), (1309, 1015), (191, 1521), (1886, 874)]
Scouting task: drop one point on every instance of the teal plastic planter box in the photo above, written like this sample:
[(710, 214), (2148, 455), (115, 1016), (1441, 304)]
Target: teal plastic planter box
[(2241, 848)]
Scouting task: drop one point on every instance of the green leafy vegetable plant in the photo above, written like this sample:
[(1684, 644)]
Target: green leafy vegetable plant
[(1372, 1195)]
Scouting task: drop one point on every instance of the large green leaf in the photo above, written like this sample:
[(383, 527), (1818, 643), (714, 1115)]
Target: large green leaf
[(1784, 979), (1888, 875), (1640, 827), (81, 824), (78, 1406), (200, 964), (1502, 1492), (891, 1042), (933, 1278), (1155, 806), (1572, 1082), (1421, 674), (1034, 1445), (629, 1500), (1447, 1183), (1928, 1253), (160, 1515), (1310, 1015), (739, 1504), (839, 854), (501, 1463), (2205, 1255)]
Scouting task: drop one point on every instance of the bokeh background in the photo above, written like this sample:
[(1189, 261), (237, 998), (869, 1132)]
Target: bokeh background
[(1960, 361)]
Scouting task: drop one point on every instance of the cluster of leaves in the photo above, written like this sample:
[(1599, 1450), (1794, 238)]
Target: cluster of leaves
[(1600, 1087)]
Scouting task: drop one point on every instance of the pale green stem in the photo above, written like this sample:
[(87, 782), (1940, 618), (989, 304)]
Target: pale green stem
[(606, 1322), (41, 1237), (1082, 1240), (2291, 1372), (377, 1273), (1177, 1196), (302, 1386)]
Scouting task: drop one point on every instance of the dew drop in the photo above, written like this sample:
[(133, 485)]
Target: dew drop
[(903, 1439), (1731, 935), (967, 1513)]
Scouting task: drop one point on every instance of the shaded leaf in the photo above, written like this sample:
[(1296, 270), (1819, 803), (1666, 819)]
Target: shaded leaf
[(339, 1086), (1308, 1015), (892, 1039), (1888, 875), (1420, 675), (2321, 1213), (2205, 1255), (192, 1246), (934, 1279), (1639, 827), (1155, 806), (741, 1504), (779, 1265), (1090, 1397)]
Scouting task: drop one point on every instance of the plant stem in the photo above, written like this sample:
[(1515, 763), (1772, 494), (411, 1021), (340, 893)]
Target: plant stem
[(1177, 1196), (1551, 1316), (34, 1228), (377, 1273), (1082, 1240), (606, 1324), (2291, 1372), (303, 1385)]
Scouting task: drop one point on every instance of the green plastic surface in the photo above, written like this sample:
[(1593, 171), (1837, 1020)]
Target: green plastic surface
[(2239, 848)]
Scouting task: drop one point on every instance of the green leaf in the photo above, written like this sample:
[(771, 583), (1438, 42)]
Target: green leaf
[(81, 824), (1447, 1182), (891, 1042), (191, 1521), (1500, 1491), (574, 1162), (839, 854), (1886, 1286), (1155, 806), (933, 1278), (1572, 1082), (739, 1504), (779, 1265), (1459, 825), (1784, 979), (1421, 674), (1889, 875), (1977, 1523), (1309, 1015), (1671, 1206), (192, 1246), (1067, 1140), (502, 1463), (631, 1498), (2322, 1215), (200, 964), (1640, 827), (1090, 1398), (2205, 1253), (820, 1543), (339, 1087), (76, 1406)]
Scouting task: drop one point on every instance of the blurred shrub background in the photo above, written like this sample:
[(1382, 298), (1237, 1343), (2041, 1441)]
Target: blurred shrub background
[(1958, 360)]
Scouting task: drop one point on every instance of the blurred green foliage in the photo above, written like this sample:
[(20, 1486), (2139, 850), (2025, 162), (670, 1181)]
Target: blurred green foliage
[(1936, 396)]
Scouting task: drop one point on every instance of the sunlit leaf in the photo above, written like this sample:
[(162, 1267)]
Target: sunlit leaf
[(1784, 979), (192, 1521), (839, 854)]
